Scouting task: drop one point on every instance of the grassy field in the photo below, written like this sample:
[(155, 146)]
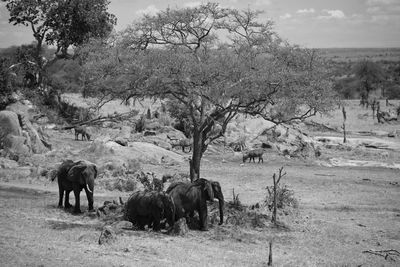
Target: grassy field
[(355, 54)]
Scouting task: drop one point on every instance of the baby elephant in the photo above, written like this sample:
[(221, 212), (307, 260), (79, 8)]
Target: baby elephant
[(150, 208), (252, 154), (83, 131)]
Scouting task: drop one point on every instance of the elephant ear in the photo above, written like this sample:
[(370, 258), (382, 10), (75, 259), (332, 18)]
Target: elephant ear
[(95, 171), (75, 174), (208, 188)]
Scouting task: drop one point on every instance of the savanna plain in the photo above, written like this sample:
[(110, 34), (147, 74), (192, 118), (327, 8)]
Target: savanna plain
[(343, 211)]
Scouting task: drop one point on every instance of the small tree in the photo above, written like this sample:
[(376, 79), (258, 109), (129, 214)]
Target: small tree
[(369, 74)]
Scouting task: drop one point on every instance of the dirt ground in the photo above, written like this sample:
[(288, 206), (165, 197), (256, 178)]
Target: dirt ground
[(342, 212)]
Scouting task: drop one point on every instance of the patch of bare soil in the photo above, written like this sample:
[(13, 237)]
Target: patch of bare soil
[(342, 212)]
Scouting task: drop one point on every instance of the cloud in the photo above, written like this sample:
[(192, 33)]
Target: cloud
[(192, 4), (304, 11), (262, 2), (286, 16), (150, 10), (332, 14), (381, 2), (384, 12)]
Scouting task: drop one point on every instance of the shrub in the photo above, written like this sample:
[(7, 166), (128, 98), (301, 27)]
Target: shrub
[(285, 197)]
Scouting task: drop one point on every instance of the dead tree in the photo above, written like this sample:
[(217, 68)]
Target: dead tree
[(373, 107), (275, 188), (270, 254), (378, 113), (344, 124)]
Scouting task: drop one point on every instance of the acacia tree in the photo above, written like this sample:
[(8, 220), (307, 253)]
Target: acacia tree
[(73, 22), (219, 63), (60, 22)]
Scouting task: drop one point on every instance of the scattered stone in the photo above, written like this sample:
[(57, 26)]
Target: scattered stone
[(121, 140), (149, 133), (180, 227), (123, 225), (107, 236), (392, 134)]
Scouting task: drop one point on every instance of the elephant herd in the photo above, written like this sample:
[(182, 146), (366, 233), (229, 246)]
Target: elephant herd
[(150, 208)]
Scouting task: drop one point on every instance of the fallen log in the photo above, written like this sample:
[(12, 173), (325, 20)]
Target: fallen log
[(100, 119)]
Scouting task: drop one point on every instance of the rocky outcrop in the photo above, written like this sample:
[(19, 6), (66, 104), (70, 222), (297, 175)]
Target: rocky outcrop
[(24, 115), (12, 140)]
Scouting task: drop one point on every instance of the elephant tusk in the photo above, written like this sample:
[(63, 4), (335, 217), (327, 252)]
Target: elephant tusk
[(87, 187)]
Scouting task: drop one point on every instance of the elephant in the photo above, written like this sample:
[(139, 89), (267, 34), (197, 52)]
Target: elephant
[(75, 176), (150, 208), (190, 197)]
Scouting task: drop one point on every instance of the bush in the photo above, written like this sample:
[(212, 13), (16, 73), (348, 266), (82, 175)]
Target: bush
[(285, 197), (140, 124)]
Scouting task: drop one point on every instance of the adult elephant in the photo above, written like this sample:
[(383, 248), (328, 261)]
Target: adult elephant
[(218, 195), (150, 208), (75, 176), (190, 197)]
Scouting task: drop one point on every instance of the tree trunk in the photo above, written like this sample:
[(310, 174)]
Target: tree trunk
[(199, 147), (196, 157), (39, 61)]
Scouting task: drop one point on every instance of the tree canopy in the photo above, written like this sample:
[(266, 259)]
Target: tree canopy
[(218, 63), (62, 22), (369, 74)]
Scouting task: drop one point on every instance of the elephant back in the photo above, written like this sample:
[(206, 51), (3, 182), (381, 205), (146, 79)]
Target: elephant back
[(62, 171), (139, 203), (144, 206)]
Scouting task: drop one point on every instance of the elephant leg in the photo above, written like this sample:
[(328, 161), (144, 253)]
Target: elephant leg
[(89, 197), (67, 205), (203, 217), (60, 196), (156, 224), (77, 208)]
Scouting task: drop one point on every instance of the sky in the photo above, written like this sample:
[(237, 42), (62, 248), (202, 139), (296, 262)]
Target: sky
[(309, 23)]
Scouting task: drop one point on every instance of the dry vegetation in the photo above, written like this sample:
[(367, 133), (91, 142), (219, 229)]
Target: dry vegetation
[(337, 213)]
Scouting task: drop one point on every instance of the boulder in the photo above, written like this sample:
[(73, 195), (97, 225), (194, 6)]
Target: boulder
[(180, 227), (24, 115), (9, 125), (16, 145), (158, 141), (8, 163), (125, 132)]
